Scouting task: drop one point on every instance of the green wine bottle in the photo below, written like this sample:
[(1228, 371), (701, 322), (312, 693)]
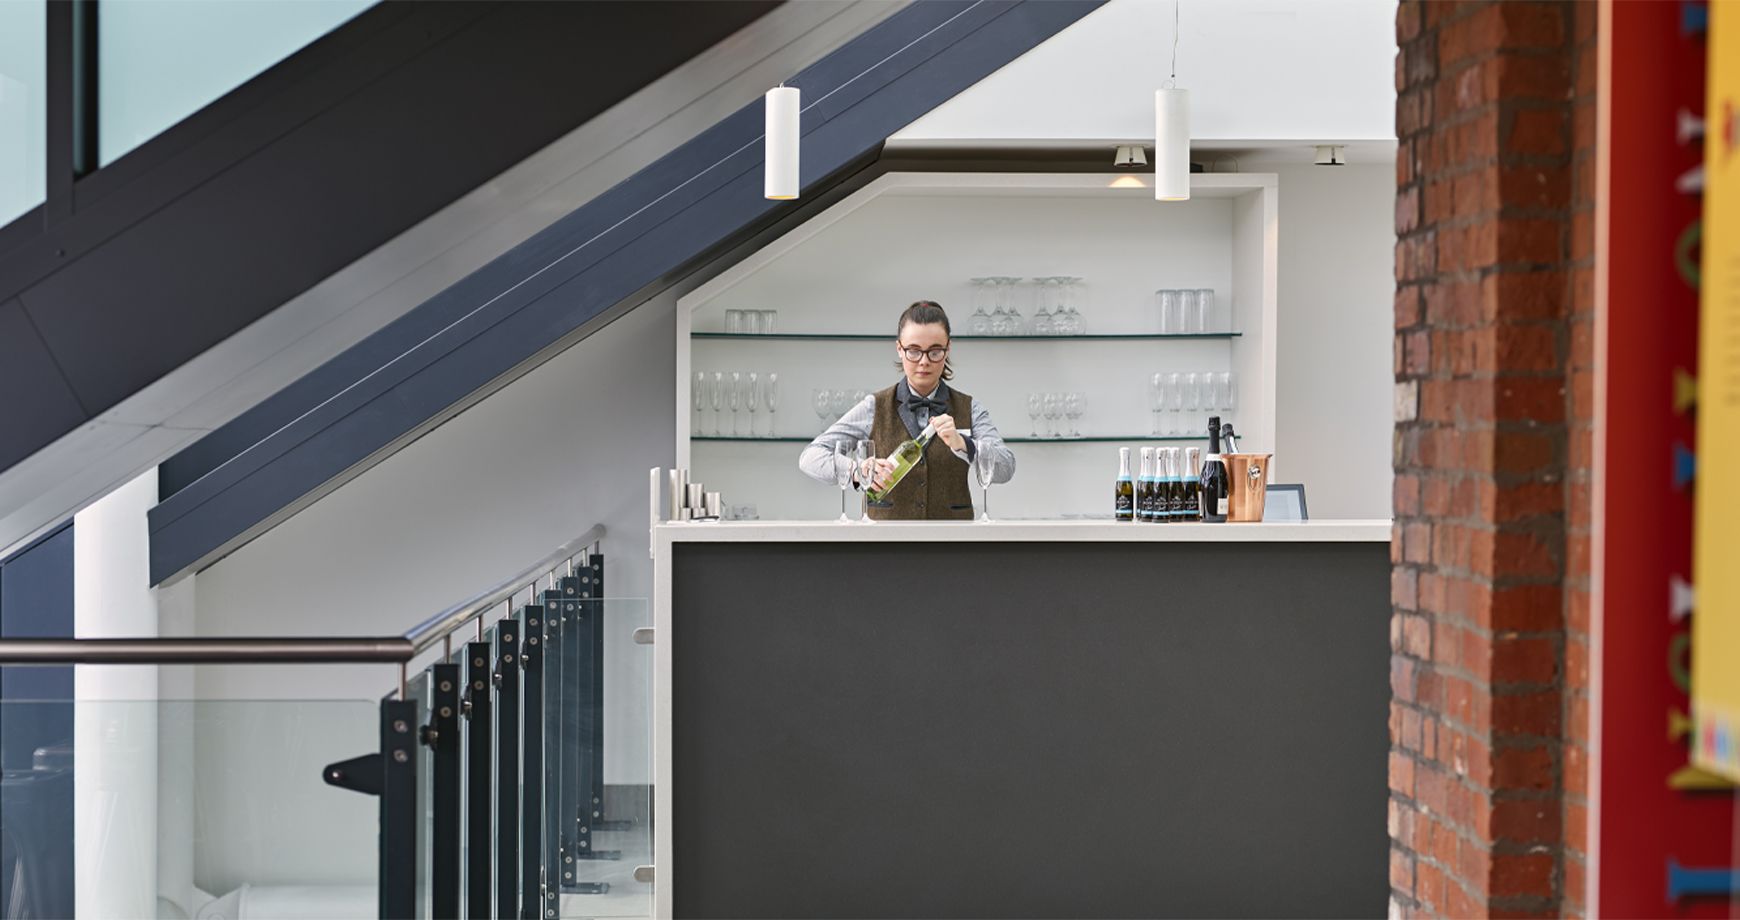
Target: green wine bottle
[(904, 457)]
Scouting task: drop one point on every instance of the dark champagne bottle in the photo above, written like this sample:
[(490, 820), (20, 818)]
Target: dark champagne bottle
[(1168, 486), (1123, 493), (1213, 479), (1192, 484)]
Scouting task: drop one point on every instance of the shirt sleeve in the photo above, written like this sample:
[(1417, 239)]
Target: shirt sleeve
[(985, 437), (817, 460)]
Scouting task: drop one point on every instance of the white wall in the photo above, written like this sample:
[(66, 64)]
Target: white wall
[(115, 719), (1335, 375), (1256, 70), (534, 465)]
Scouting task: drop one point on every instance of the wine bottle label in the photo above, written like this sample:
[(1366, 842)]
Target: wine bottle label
[(1220, 505)]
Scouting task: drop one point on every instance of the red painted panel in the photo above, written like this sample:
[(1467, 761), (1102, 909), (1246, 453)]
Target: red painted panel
[(1652, 836)]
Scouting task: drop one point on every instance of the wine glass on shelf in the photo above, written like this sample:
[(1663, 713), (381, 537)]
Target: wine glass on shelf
[(1011, 292), (1077, 289), (1068, 320), (999, 317), (1072, 406), (1035, 408), (752, 398), (735, 400), (734, 322), (770, 397), (984, 469), (1206, 320), (716, 396), (863, 453), (1175, 403), (1156, 402), (767, 320), (821, 401), (1053, 412), (1188, 302), (980, 322), (698, 399), (1166, 304), (845, 472), (1229, 383), (1042, 296), (1192, 400)]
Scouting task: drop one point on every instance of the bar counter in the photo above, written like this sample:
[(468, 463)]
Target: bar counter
[(1021, 719)]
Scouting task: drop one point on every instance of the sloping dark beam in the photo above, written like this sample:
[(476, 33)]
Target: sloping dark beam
[(132, 270), (604, 258)]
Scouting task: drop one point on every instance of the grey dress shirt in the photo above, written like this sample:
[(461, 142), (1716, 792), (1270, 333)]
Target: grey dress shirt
[(817, 460)]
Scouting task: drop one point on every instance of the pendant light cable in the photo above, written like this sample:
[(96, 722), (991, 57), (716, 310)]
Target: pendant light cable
[(1172, 81)]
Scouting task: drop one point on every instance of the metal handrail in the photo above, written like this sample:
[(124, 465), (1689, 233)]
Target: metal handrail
[(298, 650), (427, 633)]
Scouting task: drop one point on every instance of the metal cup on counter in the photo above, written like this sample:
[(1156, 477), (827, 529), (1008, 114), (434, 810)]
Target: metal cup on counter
[(688, 501)]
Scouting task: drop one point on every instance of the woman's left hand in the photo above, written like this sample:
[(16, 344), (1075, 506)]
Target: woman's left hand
[(945, 429)]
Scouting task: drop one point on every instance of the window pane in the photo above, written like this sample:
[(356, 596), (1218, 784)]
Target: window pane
[(159, 61), (23, 105)]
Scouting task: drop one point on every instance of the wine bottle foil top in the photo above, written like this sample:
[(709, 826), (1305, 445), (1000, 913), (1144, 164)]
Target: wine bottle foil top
[(1193, 457)]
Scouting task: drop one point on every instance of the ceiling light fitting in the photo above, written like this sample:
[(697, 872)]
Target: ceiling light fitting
[(780, 159), (1331, 155), (1172, 132), (1130, 156)]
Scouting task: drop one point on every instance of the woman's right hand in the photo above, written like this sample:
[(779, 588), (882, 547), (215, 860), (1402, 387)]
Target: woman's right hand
[(876, 472)]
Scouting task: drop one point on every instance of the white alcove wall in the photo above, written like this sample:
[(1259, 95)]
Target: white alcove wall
[(909, 236)]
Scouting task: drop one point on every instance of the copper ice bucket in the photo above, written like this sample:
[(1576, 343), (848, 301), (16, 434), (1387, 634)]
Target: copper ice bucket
[(1247, 481)]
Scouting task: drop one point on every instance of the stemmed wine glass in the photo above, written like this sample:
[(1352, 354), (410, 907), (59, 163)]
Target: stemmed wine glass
[(770, 397), (980, 322), (752, 397), (863, 453), (1192, 401), (1072, 406), (1035, 408), (984, 468), (735, 399), (1175, 402), (698, 400), (1011, 288), (845, 469), (819, 400), (716, 396), (1156, 401), (1042, 295), (1053, 412)]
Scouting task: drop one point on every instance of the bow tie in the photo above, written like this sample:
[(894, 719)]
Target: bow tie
[(920, 404)]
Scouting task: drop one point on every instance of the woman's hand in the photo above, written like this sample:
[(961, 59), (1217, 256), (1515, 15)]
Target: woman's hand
[(875, 471), (945, 429)]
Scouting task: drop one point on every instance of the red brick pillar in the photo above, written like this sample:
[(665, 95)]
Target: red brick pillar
[(1491, 450)]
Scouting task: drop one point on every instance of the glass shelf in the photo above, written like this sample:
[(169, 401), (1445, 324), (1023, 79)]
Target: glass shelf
[(842, 337), (1091, 439)]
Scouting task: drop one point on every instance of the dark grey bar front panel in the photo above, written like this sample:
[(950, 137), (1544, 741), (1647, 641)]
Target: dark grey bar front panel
[(1030, 729)]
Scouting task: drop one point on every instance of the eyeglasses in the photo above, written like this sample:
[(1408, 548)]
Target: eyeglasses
[(913, 353)]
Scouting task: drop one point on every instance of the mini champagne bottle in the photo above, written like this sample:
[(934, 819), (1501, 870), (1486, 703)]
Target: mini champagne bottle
[(1123, 492)]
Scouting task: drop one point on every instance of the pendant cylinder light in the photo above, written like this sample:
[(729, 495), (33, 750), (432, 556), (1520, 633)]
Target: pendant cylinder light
[(1172, 145), (780, 177)]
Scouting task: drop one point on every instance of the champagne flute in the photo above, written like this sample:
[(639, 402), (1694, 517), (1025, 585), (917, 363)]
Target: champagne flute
[(844, 470), (698, 398), (752, 398), (1035, 405), (770, 397), (1073, 408), (716, 396), (1155, 402), (864, 452), (984, 468), (1192, 401), (735, 399), (1175, 402)]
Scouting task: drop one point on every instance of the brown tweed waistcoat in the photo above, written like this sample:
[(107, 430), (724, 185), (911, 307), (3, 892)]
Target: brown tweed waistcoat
[(936, 487)]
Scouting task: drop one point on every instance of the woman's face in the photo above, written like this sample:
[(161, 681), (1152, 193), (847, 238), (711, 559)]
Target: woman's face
[(924, 340)]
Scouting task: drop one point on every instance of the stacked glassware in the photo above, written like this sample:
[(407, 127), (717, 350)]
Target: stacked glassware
[(1185, 311)]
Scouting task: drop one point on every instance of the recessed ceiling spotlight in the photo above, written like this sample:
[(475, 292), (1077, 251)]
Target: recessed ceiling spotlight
[(1130, 156), (1330, 155)]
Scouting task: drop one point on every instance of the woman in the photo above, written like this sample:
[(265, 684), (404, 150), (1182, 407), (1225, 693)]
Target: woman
[(936, 489)]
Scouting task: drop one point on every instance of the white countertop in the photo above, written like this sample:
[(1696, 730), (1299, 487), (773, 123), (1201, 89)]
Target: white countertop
[(1377, 531)]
